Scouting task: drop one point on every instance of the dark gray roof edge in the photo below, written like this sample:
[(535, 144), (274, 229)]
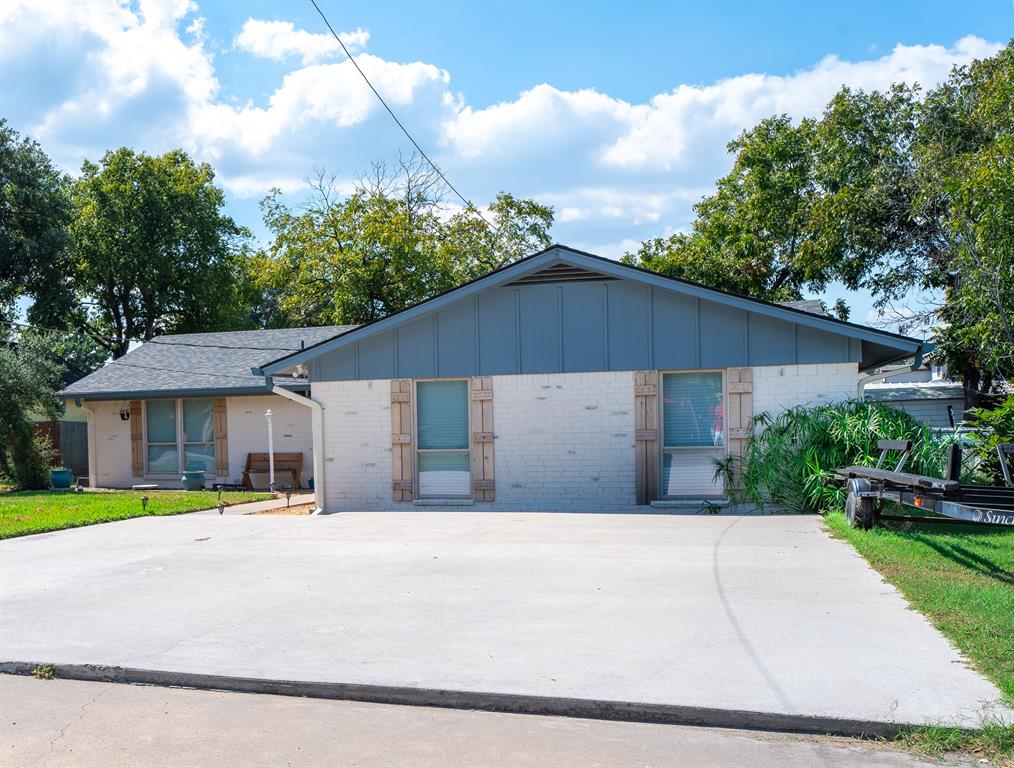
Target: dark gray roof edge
[(154, 394), (556, 253)]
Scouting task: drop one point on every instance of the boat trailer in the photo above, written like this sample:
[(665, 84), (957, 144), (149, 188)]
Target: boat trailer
[(943, 500)]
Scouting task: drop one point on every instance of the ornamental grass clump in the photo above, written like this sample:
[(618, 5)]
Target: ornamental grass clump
[(790, 459)]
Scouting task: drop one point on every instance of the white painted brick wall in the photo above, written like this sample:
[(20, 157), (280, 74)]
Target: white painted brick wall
[(562, 441), (111, 466), (357, 444), (777, 387)]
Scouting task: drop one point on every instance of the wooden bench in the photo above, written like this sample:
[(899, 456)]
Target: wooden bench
[(285, 463)]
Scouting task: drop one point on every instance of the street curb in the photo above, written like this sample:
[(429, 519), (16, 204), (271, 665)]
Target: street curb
[(595, 709)]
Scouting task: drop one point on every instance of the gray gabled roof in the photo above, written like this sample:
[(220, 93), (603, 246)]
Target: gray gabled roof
[(891, 346), (198, 364)]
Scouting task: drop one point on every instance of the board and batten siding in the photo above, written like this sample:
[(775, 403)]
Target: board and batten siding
[(611, 325)]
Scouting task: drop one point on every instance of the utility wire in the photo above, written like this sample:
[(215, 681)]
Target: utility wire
[(64, 331), (468, 203)]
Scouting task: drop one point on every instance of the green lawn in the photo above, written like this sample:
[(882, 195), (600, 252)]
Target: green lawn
[(40, 511)]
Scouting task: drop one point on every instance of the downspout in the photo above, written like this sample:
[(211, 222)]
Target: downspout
[(93, 454), (916, 365), (317, 421)]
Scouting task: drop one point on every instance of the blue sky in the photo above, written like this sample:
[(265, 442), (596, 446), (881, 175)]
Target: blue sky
[(616, 114)]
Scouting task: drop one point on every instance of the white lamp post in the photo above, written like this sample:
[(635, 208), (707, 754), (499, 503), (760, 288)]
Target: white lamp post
[(271, 452)]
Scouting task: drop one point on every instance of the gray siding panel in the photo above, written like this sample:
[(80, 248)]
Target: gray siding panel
[(723, 336), (772, 341), (456, 340), (339, 365), (376, 357), (416, 350), (816, 346), (540, 328), (498, 341), (584, 326), (674, 330), (581, 326), (629, 326)]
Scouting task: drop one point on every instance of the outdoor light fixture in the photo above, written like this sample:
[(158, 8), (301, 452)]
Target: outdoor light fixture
[(124, 414), (144, 503), (221, 508), (288, 496)]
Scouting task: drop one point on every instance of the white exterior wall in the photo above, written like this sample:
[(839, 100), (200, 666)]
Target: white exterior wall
[(109, 435), (777, 387), (248, 433), (357, 444), (562, 441)]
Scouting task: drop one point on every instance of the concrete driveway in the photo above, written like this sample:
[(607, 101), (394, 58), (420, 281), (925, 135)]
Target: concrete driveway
[(767, 614)]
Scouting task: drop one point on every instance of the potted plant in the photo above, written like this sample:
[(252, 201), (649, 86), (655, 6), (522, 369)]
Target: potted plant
[(193, 479), (61, 477)]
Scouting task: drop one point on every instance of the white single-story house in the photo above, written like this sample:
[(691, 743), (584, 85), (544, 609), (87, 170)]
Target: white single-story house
[(564, 381)]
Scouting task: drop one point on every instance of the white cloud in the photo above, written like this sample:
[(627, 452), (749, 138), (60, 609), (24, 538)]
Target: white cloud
[(280, 40)]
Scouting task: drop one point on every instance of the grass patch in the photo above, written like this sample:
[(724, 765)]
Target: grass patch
[(962, 579), (994, 741), (40, 511)]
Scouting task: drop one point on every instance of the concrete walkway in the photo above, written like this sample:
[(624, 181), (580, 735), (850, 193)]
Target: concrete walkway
[(764, 614), (57, 723), (259, 506)]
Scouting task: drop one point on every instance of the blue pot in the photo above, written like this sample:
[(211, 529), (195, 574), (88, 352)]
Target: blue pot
[(61, 478), (193, 479)]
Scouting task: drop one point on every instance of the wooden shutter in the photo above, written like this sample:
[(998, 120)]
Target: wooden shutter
[(646, 435), (221, 439), (483, 482), (739, 415), (137, 438), (401, 439)]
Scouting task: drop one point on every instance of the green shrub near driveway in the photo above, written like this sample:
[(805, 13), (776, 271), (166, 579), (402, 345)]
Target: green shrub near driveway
[(41, 511), (790, 459)]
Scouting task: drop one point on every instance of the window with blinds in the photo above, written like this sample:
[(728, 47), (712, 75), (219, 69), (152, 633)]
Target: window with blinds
[(693, 432), (180, 435), (442, 462)]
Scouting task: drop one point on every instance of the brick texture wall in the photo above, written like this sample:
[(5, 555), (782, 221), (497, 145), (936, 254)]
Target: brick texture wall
[(563, 442), (777, 387)]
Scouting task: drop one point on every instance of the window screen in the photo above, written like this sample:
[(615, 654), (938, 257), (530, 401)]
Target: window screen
[(693, 413), (163, 456), (198, 435), (442, 438)]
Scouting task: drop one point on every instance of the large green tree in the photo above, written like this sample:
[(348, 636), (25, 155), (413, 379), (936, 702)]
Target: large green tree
[(392, 242), (899, 193), (34, 214), (153, 252)]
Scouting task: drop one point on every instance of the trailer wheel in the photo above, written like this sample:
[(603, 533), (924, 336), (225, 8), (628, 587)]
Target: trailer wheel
[(860, 511)]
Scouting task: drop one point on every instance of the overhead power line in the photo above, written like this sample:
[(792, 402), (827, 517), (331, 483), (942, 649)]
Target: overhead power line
[(468, 204)]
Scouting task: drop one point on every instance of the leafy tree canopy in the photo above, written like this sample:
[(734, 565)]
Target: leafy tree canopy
[(390, 243), (152, 253), (34, 214), (890, 192)]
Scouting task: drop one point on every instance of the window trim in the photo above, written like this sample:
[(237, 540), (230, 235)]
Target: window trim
[(181, 444), (416, 450), (719, 452)]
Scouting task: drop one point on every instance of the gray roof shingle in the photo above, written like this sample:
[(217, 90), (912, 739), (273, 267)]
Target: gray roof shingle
[(198, 364)]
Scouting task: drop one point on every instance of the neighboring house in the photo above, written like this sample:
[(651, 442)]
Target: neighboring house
[(563, 382), (190, 400), (926, 394)]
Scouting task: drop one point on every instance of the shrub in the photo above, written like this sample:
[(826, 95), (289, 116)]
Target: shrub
[(992, 427), (790, 459)]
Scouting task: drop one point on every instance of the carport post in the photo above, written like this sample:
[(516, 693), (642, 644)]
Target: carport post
[(317, 412)]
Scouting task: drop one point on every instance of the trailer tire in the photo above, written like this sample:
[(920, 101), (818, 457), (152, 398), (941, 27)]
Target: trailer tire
[(860, 511)]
